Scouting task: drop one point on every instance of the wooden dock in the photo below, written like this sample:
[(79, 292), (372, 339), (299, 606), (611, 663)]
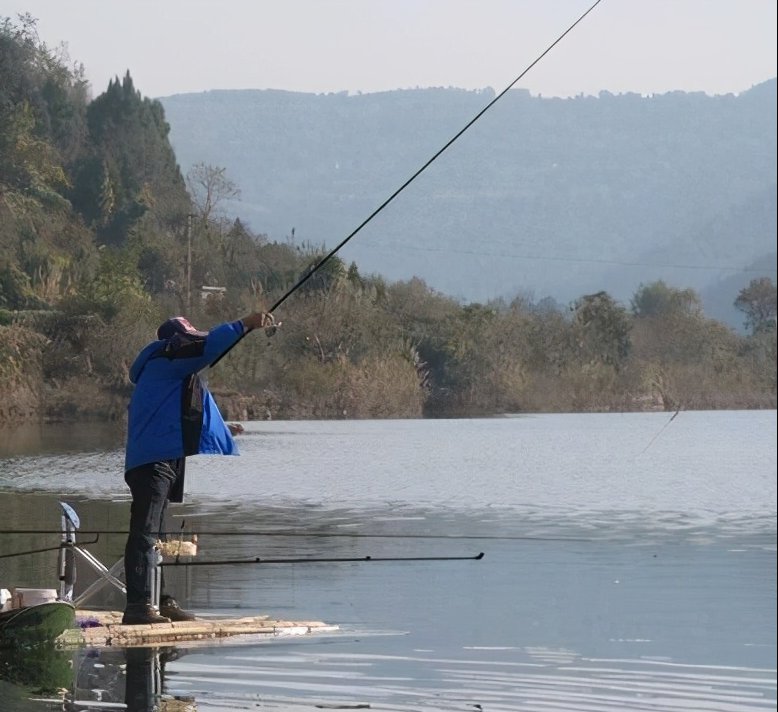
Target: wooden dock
[(102, 629)]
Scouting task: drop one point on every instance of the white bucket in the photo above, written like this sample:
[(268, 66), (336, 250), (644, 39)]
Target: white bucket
[(23, 597)]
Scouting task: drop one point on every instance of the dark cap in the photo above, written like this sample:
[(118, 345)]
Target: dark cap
[(178, 325)]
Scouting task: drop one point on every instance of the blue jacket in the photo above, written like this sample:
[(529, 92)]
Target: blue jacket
[(171, 412)]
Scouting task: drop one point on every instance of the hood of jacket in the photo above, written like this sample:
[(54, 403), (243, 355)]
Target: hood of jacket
[(143, 358)]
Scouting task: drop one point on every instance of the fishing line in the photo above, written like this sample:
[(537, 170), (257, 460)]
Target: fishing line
[(661, 431), (389, 249), (310, 272)]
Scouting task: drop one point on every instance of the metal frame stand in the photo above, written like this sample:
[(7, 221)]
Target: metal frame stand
[(68, 552)]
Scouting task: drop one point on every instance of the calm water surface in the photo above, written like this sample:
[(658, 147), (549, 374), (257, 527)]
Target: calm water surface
[(629, 564)]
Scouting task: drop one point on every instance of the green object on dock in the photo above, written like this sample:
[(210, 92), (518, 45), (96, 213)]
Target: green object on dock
[(35, 624)]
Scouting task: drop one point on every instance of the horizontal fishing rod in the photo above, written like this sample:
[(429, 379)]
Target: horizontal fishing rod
[(310, 272), (47, 548), (335, 560), (308, 535)]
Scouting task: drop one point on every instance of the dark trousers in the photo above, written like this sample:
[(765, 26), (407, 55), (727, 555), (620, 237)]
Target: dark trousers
[(150, 486)]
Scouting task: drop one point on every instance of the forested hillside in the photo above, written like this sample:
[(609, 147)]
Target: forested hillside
[(541, 196), (102, 237)]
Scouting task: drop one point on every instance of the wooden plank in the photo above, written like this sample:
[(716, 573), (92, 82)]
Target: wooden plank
[(104, 629)]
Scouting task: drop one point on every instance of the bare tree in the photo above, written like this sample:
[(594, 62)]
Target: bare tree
[(209, 187)]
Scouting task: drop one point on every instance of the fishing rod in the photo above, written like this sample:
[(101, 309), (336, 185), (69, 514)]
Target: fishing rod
[(311, 535), (310, 272), (662, 429), (337, 560), (47, 548)]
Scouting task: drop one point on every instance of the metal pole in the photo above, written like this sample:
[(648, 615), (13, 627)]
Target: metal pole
[(189, 265)]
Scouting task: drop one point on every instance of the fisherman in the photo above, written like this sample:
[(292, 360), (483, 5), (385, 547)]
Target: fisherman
[(171, 415)]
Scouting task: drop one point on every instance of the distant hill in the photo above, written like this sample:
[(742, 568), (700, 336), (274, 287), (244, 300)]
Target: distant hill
[(542, 197)]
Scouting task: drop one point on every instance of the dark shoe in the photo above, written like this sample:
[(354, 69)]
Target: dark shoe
[(168, 606), (143, 616)]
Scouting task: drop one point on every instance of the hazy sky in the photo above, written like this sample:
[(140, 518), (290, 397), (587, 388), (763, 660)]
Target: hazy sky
[(645, 46)]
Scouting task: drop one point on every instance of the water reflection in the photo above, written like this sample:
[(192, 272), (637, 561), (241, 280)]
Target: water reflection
[(133, 677), (71, 681), (38, 669), (143, 681), (48, 438)]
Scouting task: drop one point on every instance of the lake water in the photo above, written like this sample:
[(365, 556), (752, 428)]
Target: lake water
[(630, 564)]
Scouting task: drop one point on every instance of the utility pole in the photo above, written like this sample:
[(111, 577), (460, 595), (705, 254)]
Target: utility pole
[(189, 265)]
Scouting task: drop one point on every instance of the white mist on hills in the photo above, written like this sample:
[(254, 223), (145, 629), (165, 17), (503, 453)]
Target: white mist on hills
[(540, 197)]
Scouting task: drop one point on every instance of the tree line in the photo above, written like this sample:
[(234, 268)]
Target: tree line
[(102, 238), (625, 188)]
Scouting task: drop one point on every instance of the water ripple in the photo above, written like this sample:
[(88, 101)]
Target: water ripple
[(543, 680)]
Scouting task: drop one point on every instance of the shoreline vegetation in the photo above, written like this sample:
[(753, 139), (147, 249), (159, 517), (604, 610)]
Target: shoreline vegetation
[(102, 238), (404, 352)]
